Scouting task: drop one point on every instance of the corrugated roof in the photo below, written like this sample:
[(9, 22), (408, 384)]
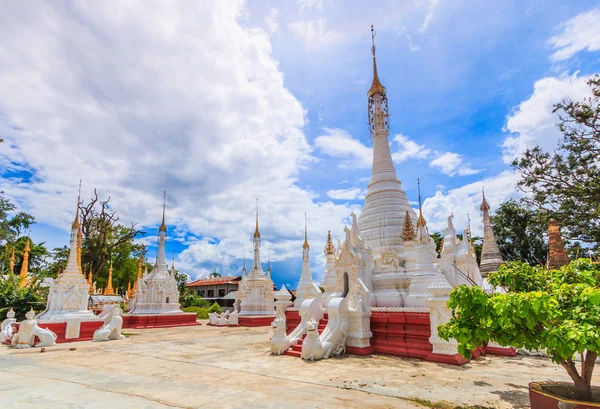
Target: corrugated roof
[(215, 281)]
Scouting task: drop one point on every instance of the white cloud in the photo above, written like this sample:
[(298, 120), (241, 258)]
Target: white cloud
[(272, 20), (532, 122), (433, 4), (580, 33), (310, 5), (409, 149), (466, 200), (338, 143), (314, 33), (451, 164), (347, 194), (136, 100)]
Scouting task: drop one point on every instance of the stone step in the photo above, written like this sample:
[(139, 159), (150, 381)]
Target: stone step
[(291, 352)]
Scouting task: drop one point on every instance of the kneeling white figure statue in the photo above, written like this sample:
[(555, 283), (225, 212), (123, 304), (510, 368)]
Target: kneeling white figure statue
[(332, 342), (223, 319), (280, 341), (233, 318), (28, 330), (6, 329), (113, 324)]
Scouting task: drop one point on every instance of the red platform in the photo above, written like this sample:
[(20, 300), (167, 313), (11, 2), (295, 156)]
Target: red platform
[(86, 330), (501, 351), (255, 320), (138, 321)]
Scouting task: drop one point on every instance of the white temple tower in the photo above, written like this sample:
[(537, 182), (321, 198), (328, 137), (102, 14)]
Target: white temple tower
[(255, 293), (305, 285), (68, 293), (385, 203), (157, 292)]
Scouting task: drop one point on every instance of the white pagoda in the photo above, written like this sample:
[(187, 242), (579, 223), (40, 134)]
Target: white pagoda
[(255, 293), (68, 293), (157, 291), (306, 288)]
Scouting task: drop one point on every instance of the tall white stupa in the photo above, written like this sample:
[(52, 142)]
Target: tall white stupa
[(386, 203), (157, 292)]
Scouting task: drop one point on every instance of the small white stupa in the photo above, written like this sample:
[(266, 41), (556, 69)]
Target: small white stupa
[(68, 293), (307, 288), (255, 293), (157, 292)]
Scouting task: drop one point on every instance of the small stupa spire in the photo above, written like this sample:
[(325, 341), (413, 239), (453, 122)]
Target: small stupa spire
[(108, 290), (11, 262), (408, 232), (268, 266), (421, 220), (23, 278), (376, 86), (491, 258), (305, 245), (329, 247), (90, 283), (163, 226), (140, 263), (256, 232), (557, 255)]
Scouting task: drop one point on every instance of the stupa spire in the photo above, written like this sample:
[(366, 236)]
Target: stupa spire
[(90, 283), (376, 86), (421, 220), (491, 259), (557, 255), (408, 232), (329, 247), (11, 261), (256, 260), (305, 246), (108, 290), (256, 232), (23, 278), (161, 258), (163, 226)]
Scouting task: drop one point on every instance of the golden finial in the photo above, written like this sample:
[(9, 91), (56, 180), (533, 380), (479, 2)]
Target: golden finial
[(421, 220), (256, 232), (76, 224), (376, 86), (140, 262), (329, 248), (163, 226), (408, 233), (484, 204), (25, 265), (108, 290), (90, 283), (305, 234), (11, 262)]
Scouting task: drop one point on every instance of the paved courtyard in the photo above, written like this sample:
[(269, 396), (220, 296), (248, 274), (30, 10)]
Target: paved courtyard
[(212, 367)]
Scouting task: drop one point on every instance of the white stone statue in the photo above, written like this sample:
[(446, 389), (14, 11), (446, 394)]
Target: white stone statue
[(28, 330), (233, 318), (332, 341), (213, 318), (6, 329), (113, 324), (280, 341), (223, 319)]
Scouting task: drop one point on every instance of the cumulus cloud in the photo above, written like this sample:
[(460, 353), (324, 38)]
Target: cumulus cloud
[(272, 20), (467, 200), (409, 149), (580, 33), (136, 100), (314, 33), (347, 194), (433, 4), (532, 122), (338, 143), (310, 5), (451, 164)]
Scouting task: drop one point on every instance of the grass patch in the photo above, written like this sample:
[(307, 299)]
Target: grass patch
[(201, 312), (443, 404), (129, 334)]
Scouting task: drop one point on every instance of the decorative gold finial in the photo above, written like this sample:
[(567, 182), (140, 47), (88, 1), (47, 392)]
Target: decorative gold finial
[(305, 234), (11, 262), (76, 224), (376, 86), (421, 220), (163, 226), (140, 262), (329, 248), (23, 278), (108, 290), (256, 232), (408, 233)]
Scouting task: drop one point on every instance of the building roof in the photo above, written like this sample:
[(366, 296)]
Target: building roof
[(215, 281)]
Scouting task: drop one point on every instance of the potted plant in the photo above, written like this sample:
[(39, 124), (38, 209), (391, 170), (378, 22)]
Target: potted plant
[(553, 310)]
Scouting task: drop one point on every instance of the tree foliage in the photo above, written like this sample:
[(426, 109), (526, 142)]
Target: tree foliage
[(555, 310), (566, 183), (20, 299)]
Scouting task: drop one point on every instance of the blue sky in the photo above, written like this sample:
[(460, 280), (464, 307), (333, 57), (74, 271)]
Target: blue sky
[(222, 102)]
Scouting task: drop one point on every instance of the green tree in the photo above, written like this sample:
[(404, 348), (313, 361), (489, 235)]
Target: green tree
[(555, 310), (521, 233), (214, 274), (20, 299), (566, 183), (12, 226)]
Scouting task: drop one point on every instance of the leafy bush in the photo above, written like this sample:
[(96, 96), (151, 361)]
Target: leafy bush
[(20, 299), (215, 308), (189, 300), (202, 313), (556, 310)]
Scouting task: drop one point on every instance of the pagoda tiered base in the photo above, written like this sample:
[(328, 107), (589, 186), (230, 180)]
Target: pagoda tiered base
[(255, 320), (179, 319)]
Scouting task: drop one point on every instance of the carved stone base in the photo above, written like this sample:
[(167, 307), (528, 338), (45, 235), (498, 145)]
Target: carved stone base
[(455, 359), (181, 319), (86, 330), (256, 321), (359, 351), (494, 349)]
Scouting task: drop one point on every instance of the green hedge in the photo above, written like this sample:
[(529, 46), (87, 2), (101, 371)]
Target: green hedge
[(202, 313)]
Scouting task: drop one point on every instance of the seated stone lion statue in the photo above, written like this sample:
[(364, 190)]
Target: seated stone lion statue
[(6, 329), (312, 348), (29, 330)]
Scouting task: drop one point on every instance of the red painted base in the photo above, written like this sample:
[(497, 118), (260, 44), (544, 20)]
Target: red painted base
[(359, 351), (86, 331), (181, 319), (255, 320), (446, 359), (501, 351)]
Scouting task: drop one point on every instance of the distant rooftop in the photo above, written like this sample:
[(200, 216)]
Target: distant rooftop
[(215, 281)]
